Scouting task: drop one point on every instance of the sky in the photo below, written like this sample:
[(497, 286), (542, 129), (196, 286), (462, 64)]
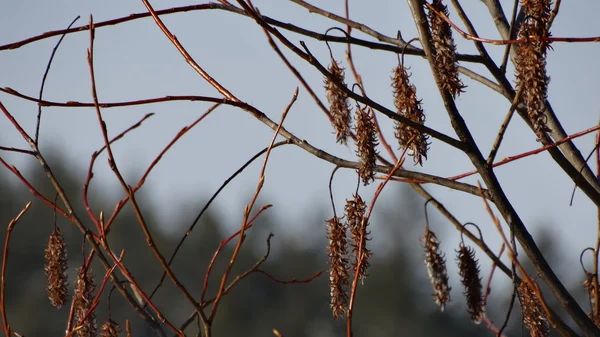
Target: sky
[(136, 61)]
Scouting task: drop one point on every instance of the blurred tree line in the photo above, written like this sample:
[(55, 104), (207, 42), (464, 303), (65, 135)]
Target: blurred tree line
[(394, 300)]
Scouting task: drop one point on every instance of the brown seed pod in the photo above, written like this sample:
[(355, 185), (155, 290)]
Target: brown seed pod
[(530, 65), (55, 269), (338, 102), (355, 212), (366, 143), (110, 329), (84, 295), (469, 274), (338, 266), (436, 269), (407, 105), (534, 316), (444, 50)]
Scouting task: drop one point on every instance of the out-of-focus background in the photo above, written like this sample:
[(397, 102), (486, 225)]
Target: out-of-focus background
[(135, 61)]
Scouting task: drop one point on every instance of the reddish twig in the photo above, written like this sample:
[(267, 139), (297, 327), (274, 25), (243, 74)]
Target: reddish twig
[(248, 209), (9, 229), (90, 174), (532, 152)]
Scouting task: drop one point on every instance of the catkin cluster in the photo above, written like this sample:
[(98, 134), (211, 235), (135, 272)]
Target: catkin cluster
[(444, 50), (409, 106), (436, 269), (366, 143), (338, 266), (530, 66), (534, 316), (339, 107), (84, 295), (55, 269)]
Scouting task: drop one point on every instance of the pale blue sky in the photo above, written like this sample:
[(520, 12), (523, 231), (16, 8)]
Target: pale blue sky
[(135, 60)]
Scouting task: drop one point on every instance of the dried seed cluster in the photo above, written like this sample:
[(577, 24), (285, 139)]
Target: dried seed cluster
[(444, 50), (530, 67), (84, 289), (56, 269), (436, 269), (355, 215), (338, 266), (338, 102), (110, 329), (534, 316), (366, 143), (407, 105), (469, 274)]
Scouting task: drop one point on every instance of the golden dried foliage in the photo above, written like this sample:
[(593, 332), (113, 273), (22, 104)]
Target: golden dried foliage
[(444, 50), (366, 143), (56, 269), (530, 66), (407, 105), (110, 328), (355, 215), (338, 266), (84, 295), (436, 269), (534, 316), (338, 102), (469, 273)]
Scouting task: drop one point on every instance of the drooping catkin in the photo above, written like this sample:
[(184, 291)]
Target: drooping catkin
[(339, 107), (444, 50), (338, 266), (366, 143), (84, 295), (469, 273), (534, 316), (436, 269), (530, 65), (355, 215), (407, 105), (110, 328), (55, 268)]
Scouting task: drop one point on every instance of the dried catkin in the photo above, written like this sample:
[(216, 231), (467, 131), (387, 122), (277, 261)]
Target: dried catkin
[(444, 52), (338, 266), (355, 216), (84, 295), (436, 269), (366, 143), (469, 274), (110, 329), (55, 269), (407, 105), (338, 103), (534, 316), (530, 65)]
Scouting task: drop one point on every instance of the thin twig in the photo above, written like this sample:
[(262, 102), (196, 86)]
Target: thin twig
[(9, 229)]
